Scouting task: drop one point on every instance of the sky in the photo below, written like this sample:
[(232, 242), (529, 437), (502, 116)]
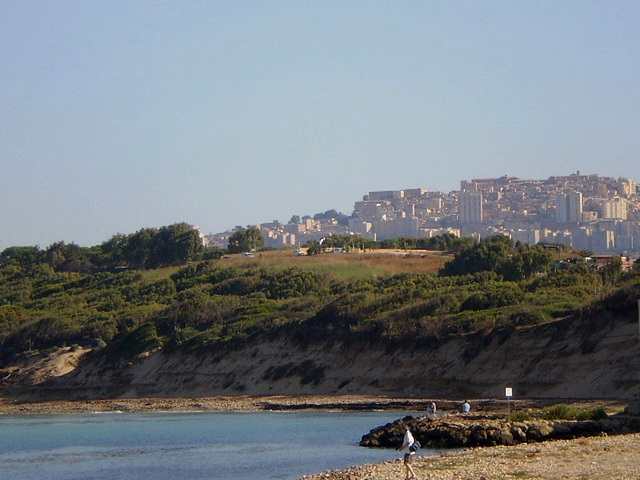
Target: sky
[(121, 115)]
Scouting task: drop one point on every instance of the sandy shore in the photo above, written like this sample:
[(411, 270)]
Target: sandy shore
[(593, 458)]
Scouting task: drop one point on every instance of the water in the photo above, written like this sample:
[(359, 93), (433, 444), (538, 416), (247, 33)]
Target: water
[(190, 446)]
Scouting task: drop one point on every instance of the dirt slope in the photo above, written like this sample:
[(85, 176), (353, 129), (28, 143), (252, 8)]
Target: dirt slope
[(573, 358)]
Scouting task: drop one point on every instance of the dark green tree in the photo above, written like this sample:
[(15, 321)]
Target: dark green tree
[(488, 255), (69, 257), (137, 250), (498, 254), (175, 244), (115, 247), (26, 257), (245, 240)]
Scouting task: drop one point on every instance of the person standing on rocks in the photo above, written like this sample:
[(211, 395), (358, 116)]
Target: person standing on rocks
[(465, 407), (408, 442)]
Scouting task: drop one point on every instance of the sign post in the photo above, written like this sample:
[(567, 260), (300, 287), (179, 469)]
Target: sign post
[(508, 392)]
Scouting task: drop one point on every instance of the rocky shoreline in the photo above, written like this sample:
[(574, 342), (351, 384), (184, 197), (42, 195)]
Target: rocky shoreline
[(463, 431), (22, 404), (605, 457), (11, 406)]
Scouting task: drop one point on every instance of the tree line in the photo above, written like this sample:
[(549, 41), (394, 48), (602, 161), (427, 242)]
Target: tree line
[(147, 248), (179, 244)]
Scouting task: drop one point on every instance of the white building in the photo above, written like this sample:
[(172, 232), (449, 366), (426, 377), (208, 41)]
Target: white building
[(471, 207), (569, 207), (616, 208)]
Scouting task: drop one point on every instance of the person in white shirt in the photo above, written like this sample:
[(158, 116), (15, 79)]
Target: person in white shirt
[(407, 442)]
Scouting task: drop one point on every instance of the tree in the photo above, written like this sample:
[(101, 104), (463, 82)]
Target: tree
[(175, 244), (114, 248), (313, 247), (245, 240), (138, 248), (488, 255), (26, 257), (69, 257), (499, 255)]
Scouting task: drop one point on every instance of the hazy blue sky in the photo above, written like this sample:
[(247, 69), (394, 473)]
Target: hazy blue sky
[(119, 115)]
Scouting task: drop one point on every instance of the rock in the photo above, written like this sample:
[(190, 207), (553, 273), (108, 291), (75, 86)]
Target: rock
[(518, 433), (477, 435), (538, 432), (494, 436), (489, 432), (506, 438)]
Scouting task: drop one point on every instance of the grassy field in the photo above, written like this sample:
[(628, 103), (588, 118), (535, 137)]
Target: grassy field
[(347, 266), (159, 273)]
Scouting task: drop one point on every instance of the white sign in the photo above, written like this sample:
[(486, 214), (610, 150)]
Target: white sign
[(508, 392)]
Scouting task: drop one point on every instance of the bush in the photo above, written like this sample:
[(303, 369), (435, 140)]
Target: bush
[(139, 341), (560, 412)]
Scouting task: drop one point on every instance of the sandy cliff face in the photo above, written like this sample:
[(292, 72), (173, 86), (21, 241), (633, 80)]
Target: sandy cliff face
[(573, 358)]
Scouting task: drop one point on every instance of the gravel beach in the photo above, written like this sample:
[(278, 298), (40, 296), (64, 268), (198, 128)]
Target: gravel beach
[(213, 404), (593, 458)]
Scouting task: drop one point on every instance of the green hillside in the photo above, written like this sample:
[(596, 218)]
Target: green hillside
[(206, 303)]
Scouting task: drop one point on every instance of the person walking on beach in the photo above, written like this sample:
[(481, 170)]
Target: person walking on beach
[(408, 442)]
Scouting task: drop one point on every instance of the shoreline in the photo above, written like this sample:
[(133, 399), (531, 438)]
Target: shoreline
[(615, 457), (257, 403), (245, 403)]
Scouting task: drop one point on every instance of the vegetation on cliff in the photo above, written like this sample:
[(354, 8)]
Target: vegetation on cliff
[(169, 296)]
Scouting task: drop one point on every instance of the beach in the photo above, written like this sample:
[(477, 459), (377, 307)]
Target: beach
[(591, 458)]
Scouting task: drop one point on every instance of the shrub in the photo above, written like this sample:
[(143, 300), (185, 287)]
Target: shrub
[(560, 412), (566, 412), (141, 340)]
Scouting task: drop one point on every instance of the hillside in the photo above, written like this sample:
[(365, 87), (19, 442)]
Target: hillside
[(594, 357), (330, 324)]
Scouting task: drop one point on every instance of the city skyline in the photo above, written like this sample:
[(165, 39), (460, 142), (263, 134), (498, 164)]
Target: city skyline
[(589, 212), (553, 210), (119, 116)]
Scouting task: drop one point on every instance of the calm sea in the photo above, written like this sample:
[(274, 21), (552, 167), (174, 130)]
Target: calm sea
[(186, 446)]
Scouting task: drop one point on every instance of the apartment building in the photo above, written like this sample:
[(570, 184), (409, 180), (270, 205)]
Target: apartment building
[(615, 208), (591, 212), (569, 207), (471, 207)]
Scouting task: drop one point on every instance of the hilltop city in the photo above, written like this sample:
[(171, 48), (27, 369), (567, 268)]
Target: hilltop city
[(588, 212)]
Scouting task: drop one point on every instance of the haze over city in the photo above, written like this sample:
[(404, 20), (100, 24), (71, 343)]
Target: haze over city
[(123, 115)]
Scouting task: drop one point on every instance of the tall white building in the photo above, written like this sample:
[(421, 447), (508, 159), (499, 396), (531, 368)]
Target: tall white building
[(569, 207), (471, 207), (615, 208)]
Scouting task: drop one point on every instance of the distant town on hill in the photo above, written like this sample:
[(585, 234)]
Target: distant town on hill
[(588, 212)]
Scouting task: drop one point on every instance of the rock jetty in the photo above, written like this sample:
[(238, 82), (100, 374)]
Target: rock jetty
[(477, 431)]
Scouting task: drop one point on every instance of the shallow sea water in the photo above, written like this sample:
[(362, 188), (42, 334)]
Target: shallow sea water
[(190, 446)]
